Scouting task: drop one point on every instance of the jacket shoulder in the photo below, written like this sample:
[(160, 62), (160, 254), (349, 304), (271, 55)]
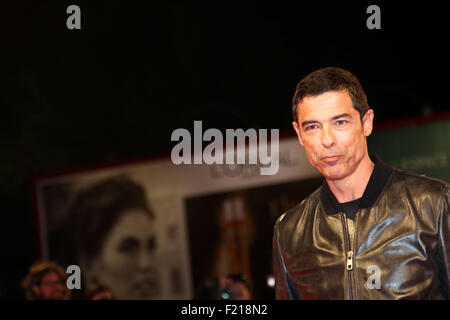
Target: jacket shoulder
[(420, 184)]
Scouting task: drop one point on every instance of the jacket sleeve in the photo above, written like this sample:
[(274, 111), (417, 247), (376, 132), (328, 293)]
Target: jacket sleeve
[(284, 286), (445, 238)]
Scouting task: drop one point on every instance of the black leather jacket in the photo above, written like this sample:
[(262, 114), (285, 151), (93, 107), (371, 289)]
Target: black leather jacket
[(401, 237)]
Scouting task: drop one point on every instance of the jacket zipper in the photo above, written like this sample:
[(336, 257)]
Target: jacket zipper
[(349, 257), (349, 260)]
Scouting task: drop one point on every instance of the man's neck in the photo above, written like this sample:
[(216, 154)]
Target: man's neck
[(352, 187)]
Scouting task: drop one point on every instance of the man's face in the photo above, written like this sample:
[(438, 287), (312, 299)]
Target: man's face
[(51, 287), (330, 129)]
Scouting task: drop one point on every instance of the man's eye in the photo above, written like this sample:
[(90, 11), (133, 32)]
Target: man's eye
[(310, 127), (341, 122)]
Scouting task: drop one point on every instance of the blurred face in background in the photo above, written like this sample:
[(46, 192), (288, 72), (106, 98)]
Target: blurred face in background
[(51, 287), (127, 262)]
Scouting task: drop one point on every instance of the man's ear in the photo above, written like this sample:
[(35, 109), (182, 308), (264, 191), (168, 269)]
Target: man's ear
[(297, 130), (367, 122)]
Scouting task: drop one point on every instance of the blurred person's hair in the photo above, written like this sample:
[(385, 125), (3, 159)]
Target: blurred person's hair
[(330, 79), (36, 273), (99, 289), (211, 288)]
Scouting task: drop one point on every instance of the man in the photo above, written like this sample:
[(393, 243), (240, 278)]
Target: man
[(370, 231), (46, 281)]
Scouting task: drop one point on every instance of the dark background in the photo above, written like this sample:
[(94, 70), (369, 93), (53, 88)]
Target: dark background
[(136, 71)]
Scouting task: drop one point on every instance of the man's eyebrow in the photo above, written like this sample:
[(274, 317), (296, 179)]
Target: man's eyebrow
[(342, 115), (305, 123)]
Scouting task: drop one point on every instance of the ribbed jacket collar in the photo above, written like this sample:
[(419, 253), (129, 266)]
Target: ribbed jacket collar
[(378, 180)]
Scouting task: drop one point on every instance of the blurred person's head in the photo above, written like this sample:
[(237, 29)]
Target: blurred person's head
[(46, 281), (232, 287), (115, 241), (100, 292)]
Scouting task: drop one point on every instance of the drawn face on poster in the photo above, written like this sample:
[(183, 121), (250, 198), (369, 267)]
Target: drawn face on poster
[(110, 232), (114, 238)]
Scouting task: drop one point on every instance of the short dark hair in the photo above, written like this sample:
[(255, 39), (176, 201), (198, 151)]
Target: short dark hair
[(330, 79)]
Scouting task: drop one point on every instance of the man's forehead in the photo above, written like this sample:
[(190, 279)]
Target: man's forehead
[(326, 105)]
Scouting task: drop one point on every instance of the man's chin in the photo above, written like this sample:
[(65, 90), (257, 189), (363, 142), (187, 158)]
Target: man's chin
[(333, 174)]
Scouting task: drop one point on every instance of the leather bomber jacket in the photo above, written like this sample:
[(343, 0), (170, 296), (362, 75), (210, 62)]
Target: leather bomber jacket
[(400, 247)]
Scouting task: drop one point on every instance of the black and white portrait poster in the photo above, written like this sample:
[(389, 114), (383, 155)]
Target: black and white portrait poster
[(131, 227)]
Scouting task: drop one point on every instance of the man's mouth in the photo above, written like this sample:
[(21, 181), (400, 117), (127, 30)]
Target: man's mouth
[(331, 159)]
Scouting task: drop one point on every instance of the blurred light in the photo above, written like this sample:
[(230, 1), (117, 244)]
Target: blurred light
[(270, 281)]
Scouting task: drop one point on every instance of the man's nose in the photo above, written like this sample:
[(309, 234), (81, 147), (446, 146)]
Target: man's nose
[(327, 137)]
